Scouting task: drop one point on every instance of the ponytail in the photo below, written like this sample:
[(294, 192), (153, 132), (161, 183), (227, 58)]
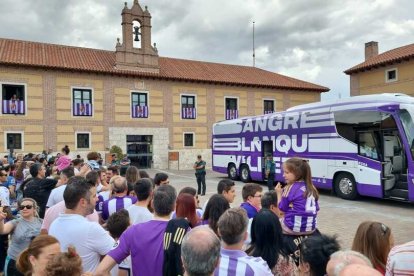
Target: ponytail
[(34, 249), (302, 171), (66, 149), (23, 264), (307, 177)]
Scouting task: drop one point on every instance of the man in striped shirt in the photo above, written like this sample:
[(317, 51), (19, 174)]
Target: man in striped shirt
[(232, 227), (120, 199), (401, 260)]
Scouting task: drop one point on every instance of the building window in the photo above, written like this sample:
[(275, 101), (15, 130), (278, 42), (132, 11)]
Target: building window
[(82, 102), (83, 140), (188, 139), (139, 105), (14, 141), (391, 75), (268, 106), (231, 109), (188, 107), (13, 99)]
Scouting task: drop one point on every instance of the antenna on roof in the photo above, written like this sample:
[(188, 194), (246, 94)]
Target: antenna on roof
[(254, 55)]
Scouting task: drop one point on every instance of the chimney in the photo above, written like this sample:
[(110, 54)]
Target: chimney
[(371, 49)]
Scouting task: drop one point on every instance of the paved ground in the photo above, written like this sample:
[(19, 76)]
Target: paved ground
[(337, 216)]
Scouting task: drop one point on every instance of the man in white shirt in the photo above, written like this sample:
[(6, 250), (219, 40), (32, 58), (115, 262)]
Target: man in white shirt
[(73, 229), (139, 212), (56, 195)]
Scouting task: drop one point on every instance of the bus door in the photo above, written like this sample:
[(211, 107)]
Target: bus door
[(369, 165), (394, 166), (267, 148)]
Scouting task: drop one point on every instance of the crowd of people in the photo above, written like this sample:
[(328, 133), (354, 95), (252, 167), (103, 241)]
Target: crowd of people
[(64, 216)]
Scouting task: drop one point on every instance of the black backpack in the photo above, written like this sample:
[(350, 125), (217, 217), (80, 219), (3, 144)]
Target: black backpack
[(173, 237)]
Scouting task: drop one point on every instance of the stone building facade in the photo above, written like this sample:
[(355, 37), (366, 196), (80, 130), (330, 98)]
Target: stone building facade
[(389, 72), (159, 110)]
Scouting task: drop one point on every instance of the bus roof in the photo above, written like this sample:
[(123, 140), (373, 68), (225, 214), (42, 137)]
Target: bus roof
[(375, 98)]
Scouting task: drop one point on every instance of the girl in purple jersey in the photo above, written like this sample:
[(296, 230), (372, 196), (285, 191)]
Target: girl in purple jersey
[(298, 199)]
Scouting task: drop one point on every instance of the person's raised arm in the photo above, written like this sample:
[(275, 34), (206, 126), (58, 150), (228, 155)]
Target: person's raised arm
[(104, 268), (5, 228), (278, 190)]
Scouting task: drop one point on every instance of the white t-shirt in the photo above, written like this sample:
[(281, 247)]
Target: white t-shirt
[(138, 214), (53, 213), (55, 196), (4, 196), (99, 188), (89, 238), (105, 195)]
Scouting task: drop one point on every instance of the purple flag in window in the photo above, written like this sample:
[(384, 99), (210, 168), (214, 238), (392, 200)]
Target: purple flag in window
[(13, 107), (188, 113), (82, 109), (139, 111), (232, 114)]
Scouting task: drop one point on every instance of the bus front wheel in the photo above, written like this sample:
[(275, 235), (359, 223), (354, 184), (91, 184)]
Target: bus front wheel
[(244, 173), (232, 172), (345, 186)]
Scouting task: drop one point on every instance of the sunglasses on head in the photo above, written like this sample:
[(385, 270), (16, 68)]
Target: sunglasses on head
[(28, 207)]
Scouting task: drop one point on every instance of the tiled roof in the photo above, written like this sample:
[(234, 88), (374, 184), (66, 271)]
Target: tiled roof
[(386, 58), (35, 54)]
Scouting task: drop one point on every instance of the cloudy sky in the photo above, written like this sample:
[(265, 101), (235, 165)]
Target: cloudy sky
[(312, 40)]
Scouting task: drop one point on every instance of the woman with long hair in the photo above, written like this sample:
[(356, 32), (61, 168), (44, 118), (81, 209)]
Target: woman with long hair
[(216, 206), (23, 230), (33, 260), (186, 208), (131, 176), (267, 242), (374, 240), (19, 176)]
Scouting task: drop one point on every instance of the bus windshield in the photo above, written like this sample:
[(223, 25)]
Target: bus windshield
[(406, 116)]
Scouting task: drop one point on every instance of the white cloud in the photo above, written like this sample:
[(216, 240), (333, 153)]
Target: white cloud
[(311, 40)]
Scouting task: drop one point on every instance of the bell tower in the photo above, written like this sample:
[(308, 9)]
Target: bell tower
[(136, 52)]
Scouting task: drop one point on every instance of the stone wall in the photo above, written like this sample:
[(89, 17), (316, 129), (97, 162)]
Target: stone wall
[(187, 157)]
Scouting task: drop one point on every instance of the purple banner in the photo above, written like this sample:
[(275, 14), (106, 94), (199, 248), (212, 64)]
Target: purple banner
[(188, 113), (139, 111), (13, 107), (82, 109), (232, 114)]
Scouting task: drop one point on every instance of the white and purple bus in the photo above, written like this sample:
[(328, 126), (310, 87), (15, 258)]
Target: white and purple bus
[(363, 145)]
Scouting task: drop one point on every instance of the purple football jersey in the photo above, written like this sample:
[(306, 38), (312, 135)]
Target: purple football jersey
[(300, 212), (115, 204)]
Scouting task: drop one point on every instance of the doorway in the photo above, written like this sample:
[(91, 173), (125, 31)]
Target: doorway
[(267, 148), (139, 150)]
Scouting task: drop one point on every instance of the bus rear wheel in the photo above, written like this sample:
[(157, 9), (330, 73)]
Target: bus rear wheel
[(232, 172), (244, 173), (345, 186)]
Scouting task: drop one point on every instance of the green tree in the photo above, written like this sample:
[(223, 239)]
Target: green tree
[(118, 151)]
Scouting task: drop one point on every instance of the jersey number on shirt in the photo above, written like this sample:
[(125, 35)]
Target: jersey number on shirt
[(310, 205)]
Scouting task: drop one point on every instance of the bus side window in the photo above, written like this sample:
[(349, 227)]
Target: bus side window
[(367, 145)]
